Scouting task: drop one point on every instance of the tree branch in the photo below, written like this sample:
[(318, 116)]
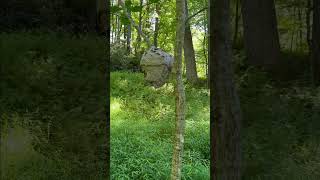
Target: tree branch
[(134, 24), (201, 10)]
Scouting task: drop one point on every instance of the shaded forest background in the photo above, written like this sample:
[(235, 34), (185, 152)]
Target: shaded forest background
[(53, 84), (58, 15)]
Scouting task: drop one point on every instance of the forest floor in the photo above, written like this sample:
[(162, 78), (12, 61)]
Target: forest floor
[(142, 129), (280, 128), (52, 106), (52, 95)]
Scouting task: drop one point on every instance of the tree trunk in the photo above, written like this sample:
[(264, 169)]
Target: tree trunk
[(260, 33), (300, 28), (102, 25), (189, 56), (316, 43), (111, 23), (225, 128), (134, 24), (236, 23), (138, 45), (179, 92), (308, 26), (119, 25), (156, 29), (128, 33)]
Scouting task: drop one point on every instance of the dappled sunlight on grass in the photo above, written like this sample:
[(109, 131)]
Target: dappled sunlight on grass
[(142, 129), (16, 146), (115, 106), (123, 82)]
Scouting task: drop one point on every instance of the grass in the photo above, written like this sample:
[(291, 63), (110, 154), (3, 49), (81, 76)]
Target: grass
[(280, 129), (53, 87), (142, 128)]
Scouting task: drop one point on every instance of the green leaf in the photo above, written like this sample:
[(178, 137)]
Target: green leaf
[(136, 8), (154, 1), (128, 3), (124, 19), (115, 9)]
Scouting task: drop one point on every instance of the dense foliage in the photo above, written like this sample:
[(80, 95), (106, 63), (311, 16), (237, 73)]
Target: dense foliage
[(68, 15), (52, 86)]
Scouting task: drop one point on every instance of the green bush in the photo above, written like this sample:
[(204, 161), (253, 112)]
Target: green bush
[(121, 60)]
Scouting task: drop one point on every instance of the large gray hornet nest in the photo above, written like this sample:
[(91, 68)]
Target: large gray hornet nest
[(156, 65)]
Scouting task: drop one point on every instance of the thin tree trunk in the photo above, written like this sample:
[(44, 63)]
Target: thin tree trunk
[(260, 33), (189, 55), (119, 26), (179, 92), (138, 45), (111, 25), (315, 43), (128, 32), (225, 128), (236, 23), (204, 44), (156, 29), (300, 28), (293, 32), (207, 36), (135, 25), (308, 24)]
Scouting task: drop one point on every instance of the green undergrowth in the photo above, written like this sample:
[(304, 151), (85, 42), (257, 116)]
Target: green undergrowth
[(55, 82), (142, 128), (280, 128)]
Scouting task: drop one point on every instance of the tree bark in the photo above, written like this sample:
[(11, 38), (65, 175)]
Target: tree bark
[(189, 56), (156, 29), (260, 33), (308, 26), (225, 127), (128, 32), (101, 24), (316, 43), (119, 25), (236, 23), (138, 44), (179, 92), (300, 28)]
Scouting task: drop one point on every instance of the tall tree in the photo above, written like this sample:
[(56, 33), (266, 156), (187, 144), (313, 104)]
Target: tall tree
[(138, 44), (189, 55), (308, 26), (236, 23), (179, 92), (260, 32), (316, 43), (102, 25), (225, 127), (128, 30), (156, 29)]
